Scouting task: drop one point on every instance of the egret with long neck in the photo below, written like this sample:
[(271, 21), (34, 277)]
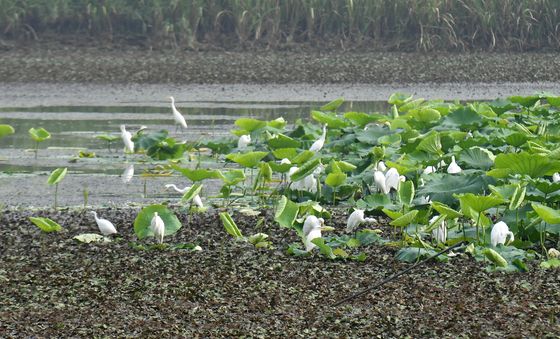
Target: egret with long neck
[(177, 116)]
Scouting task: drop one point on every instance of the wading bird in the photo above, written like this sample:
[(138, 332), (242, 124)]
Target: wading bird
[(179, 119), (127, 140), (381, 166), (158, 227), (453, 168), (356, 218), (429, 170), (312, 230), (105, 226), (319, 143), (243, 142), (500, 233), (128, 173), (308, 183), (196, 199), (439, 234), (385, 182)]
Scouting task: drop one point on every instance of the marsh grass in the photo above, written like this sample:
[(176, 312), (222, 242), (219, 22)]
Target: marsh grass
[(386, 24)]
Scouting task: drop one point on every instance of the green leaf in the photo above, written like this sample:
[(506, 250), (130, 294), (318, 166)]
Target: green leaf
[(331, 119), (230, 225), (523, 163), (57, 175), (249, 160), (302, 157), (478, 203), (6, 130), (233, 177), (404, 220), (324, 249), (143, 221), (333, 105), (282, 141), (198, 174), (306, 169), (286, 212), (250, 124), (166, 149), (441, 187), (495, 257), (107, 137), (431, 144), (335, 179), (147, 140), (45, 224), (278, 123), (477, 157), (443, 209), (191, 193), (464, 118), (518, 197), (413, 254), (390, 139), (549, 215), (406, 192), (550, 263), (361, 119), (345, 166), (399, 98), (39, 135), (288, 153), (425, 115)]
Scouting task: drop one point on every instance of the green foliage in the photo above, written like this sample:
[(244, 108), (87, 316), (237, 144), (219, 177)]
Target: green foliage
[(230, 225), (45, 224), (249, 160), (57, 175), (39, 135), (6, 130)]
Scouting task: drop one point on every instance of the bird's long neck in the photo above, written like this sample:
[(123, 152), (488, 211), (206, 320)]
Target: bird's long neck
[(324, 136)]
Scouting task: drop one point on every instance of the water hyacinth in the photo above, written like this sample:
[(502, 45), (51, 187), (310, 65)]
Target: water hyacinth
[(500, 233)]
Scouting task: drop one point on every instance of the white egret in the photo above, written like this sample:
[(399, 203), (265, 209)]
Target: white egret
[(319, 143), (439, 234), (429, 170), (500, 233), (357, 218), (105, 226), (179, 119), (556, 177), (128, 173), (308, 183), (453, 168), (312, 230), (127, 140), (385, 182), (381, 166), (158, 227), (196, 199), (285, 161), (243, 142)]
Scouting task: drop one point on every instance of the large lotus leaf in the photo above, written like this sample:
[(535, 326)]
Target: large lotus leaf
[(142, 223), (425, 115), (286, 212), (278, 123), (288, 153), (198, 174), (39, 134), (413, 254), (57, 175), (553, 100), (390, 139), (501, 106), (404, 220), (477, 157), (445, 210), (361, 119), (431, 144), (527, 101), (331, 119), (250, 159), (517, 139), (518, 197), (282, 141), (495, 257), (399, 98), (412, 104), (335, 179), (375, 202), (345, 166), (279, 168), (167, 149), (549, 215), (191, 193), (6, 130), (302, 157), (462, 118), (233, 177), (250, 124), (523, 163), (483, 109), (505, 192), (45, 224), (305, 170), (478, 203), (372, 134), (545, 186), (406, 192), (147, 140), (441, 187), (333, 105)]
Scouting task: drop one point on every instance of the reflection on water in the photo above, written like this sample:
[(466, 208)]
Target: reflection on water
[(128, 173)]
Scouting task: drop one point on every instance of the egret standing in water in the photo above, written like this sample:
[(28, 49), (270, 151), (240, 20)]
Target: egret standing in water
[(127, 140), (357, 218), (312, 230), (196, 199), (179, 119), (105, 226), (319, 143), (158, 227)]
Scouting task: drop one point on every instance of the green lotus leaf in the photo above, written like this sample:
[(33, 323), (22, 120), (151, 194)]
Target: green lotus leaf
[(143, 221), (57, 175), (286, 212), (45, 224), (6, 130), (230, 225), (333, 105), (39, 135), (249, 160), (250, 124)]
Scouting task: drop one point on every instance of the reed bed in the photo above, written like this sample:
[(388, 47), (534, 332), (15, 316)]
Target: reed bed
[(519, 25)]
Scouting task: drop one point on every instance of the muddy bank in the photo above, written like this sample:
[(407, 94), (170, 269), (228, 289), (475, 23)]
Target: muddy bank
[(69, 63)]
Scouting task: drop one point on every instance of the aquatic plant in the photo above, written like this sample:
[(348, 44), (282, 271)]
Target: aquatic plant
[(38, 135), (55, 177)]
